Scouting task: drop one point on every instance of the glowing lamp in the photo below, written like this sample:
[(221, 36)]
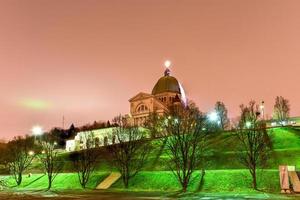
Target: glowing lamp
[(213, 116), (37, 130), (167, 63), (248, 124)]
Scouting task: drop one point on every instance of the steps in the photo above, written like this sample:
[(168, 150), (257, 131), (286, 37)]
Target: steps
[(295, 181), (108, 181)]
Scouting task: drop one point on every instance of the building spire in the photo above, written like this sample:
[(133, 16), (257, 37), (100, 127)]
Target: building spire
[(167, 65)]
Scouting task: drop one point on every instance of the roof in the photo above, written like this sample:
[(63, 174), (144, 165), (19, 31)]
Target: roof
[(166, 84)]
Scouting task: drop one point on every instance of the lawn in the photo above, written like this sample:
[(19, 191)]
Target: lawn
[(214, 181), (164, 181), (224, 172), (64, 181), (286, 144)]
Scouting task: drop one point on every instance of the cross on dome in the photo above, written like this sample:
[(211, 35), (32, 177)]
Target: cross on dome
[(167, 65)]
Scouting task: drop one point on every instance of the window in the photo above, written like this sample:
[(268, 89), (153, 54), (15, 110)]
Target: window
[(113, 139), (142, 108), (97, 142), (105, 141)]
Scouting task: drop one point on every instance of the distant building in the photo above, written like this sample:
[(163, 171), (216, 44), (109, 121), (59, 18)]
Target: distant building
[(97, 138), (165, 93)]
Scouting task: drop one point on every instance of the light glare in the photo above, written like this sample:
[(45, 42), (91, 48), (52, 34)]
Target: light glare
[(167, 63), (248, 124), (37, 130), (213, 116)]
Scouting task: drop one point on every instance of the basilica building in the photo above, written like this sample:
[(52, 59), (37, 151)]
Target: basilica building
[(165, 92)]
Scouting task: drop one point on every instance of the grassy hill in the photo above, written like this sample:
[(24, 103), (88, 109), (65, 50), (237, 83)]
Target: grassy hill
[(215, 181), (224, 172), (221, 155), (68, 181)]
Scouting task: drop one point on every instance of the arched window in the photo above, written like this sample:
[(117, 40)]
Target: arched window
[(97, 142), (142, 108), (105, 141), (113, 139)]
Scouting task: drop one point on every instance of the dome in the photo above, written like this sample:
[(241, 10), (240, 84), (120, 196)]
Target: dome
[(166, 84)]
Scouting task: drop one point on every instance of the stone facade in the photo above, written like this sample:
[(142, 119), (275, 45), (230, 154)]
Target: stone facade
[(167, 91)]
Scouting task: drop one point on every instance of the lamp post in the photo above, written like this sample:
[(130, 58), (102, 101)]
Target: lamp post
[(213, 116), (37, 131), (262, 109), (248, 124)]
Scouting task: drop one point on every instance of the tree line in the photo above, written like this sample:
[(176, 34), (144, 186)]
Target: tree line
[(184, 134)]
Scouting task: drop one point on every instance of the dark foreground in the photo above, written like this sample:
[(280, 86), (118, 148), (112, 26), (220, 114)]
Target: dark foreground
[(99, 195)]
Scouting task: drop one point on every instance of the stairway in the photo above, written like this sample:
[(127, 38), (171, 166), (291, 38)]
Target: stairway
[(295, 181), (108, 181)]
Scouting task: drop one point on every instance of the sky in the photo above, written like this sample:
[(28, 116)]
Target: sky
[(84, 59)]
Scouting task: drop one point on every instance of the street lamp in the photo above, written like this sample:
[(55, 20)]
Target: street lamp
[(248, 124), (262, 109), (213, 116), (37, 130)]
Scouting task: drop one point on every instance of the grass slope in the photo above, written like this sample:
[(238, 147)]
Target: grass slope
[(65, 181), (224, 174), (223, 146), (164, 181)]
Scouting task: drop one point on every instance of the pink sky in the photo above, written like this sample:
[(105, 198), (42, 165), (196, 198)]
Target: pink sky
[(84, 59)]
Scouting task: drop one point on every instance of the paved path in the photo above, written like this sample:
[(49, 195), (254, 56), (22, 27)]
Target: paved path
[(101, 195), (108, 181)]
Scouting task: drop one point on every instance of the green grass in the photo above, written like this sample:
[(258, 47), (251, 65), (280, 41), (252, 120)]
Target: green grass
[(223, 146), (224, 172), (214, 181), (163, 181), (65, 181), (285, 138)]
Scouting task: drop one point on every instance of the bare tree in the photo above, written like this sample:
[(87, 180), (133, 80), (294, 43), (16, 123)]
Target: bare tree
[(85, 160), (154, 124), (18, 156), (281, 109), (50, 159), (130, 150), (221, 111), (254, 142), (186, 142)]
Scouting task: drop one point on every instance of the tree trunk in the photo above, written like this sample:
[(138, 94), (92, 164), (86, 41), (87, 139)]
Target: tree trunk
[(201, 183), (125, 181), (19, 180), (184, 186), (126, 177), (254, 182), (83, 181), (49, 182)]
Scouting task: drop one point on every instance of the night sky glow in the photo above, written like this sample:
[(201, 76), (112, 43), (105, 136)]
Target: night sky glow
[(84, 59)]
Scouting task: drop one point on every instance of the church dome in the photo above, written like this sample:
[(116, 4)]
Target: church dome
[(166, 83)]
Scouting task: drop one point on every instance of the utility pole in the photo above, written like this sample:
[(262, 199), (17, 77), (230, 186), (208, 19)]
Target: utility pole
[(262, 109), (63, 122)]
